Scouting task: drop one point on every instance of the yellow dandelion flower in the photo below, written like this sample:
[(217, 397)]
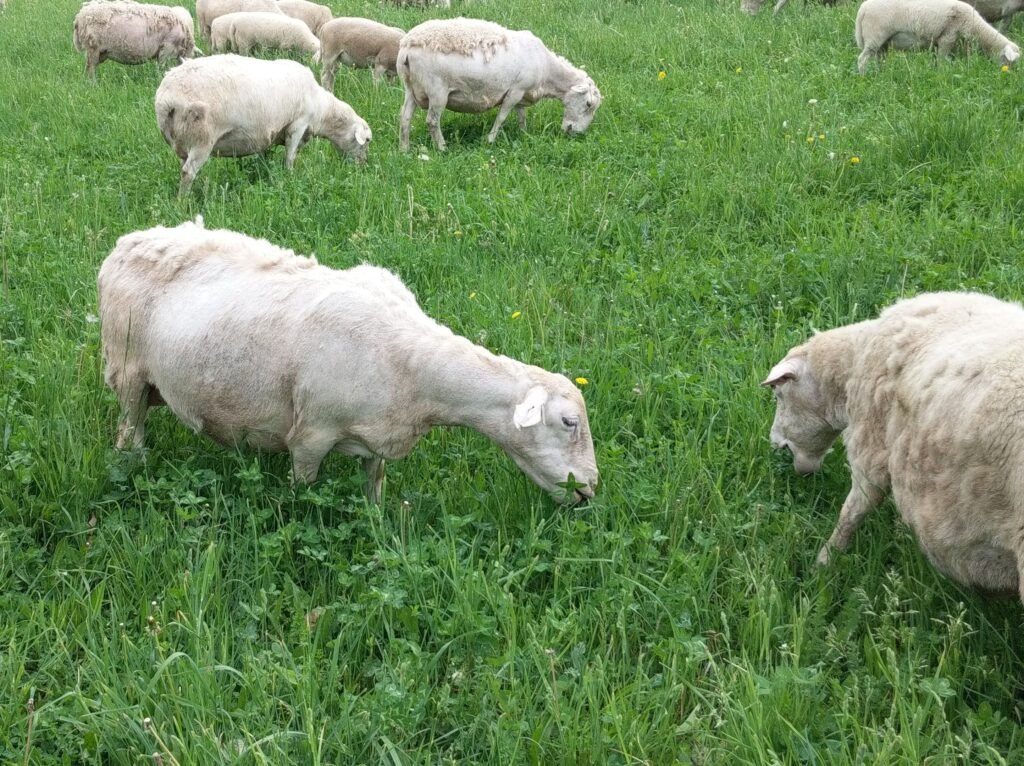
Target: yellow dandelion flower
[(457, 233), (855, 160), (662, 74), (821, 136), (810, 139), (472, 295), (516, 314), (582, 381), (1004, 68), (739, 70)]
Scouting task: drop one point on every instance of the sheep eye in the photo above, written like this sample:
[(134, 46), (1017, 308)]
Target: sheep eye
[(570, 422)]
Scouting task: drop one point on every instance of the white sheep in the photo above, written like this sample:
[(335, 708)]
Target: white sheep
[(913, 24), (358, 42), (927, 399), (251, 343), (313, 15), (753, 6), (997, 10), (229, 105), (468, 65), (132, 33), (246, 30), (208, 10)]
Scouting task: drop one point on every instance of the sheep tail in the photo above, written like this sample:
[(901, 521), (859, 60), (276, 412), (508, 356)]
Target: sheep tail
[(77, 38)]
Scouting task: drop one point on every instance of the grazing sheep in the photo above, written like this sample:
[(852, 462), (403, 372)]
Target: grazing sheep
[(997, 10), (753, 6), (913, 24), (927, 399), (229, 106), (208, 10), (246, 30), (358, 43), (132, 33), (313, 15), (467, 65), (250, 343)]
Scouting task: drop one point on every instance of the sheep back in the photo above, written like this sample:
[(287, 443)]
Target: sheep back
[(133, 33)]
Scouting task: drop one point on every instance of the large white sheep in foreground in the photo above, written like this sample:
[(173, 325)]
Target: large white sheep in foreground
[(914, 24), (358, 42), (468, 65), (250, 343), (246, 30), (208, 10), (132, 33), (229, 106), (928, 401), (313, 15)]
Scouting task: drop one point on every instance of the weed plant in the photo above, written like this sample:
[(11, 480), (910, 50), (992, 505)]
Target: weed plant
[(740, 186)]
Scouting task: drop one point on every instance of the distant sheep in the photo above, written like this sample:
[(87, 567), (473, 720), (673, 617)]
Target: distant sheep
[(313, 15), (132, 33), (228, 105), (914, 24), (246, 30), (358, 42), (997, 10), (252, 344), (208, 10), (467, 65), (753, 6), (927, 399)]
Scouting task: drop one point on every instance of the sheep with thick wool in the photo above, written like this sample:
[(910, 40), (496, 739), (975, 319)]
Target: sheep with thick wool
[(132, 33), (468, 65), (929, 400), (915, 24), (208, 10), (253, 344), (228, 105), (313, 15), (997, 10), (358, 42), (246, 30)]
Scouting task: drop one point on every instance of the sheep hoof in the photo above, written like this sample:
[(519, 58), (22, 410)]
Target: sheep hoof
[(825, 555)]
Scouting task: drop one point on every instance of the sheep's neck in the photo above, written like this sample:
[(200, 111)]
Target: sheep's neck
[(561, 76), (832, 362)]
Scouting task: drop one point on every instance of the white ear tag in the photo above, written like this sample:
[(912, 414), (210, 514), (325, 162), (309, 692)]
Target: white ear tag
[(530, 411)]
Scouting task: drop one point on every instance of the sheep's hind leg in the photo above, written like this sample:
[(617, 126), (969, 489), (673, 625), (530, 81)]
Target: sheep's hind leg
[(863, 498), (327, 71), (374, 467), (865, 58), (197, 157), (292, 143), (434, 111), (405, 119), (135, 396)]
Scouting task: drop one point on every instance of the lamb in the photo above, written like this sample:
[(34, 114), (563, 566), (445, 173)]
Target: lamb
[(997, 10), (208, 10), (313, 15), (927, 398), (467, 65), (229, 106), (132, 33), (246, 30), (251, 343), (911, 24), (358, 42)]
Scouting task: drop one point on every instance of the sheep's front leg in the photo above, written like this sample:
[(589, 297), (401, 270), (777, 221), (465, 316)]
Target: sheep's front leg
[(197, 157), (308, 450), (510, 102), (779, 5), (374, 467), (327, 71), (946, 42), (293, 141), (405, 120), (863, 498)]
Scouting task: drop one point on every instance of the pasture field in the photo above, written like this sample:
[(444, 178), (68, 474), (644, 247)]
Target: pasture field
[(189, 603)]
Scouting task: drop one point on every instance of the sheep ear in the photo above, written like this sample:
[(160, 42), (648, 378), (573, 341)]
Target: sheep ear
[(787, 369), (363, 134), (530, 411), (580, 87)]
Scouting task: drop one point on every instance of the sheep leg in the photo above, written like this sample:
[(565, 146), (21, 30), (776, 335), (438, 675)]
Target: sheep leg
[(863, 498), (865, 57), (434, 110), (378, 73), (779, 5), (327, 74), (308, 451), (521, 117), (405, 120), (945, 43), (92, 60), (134, 398), (374, 467), (293, 142), (510, 102), (197, 157)]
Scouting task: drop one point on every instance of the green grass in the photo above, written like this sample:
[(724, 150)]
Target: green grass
[(671, 256)]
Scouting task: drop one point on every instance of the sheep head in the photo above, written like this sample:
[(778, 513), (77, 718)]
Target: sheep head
[(581, 103), (801, 424)]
